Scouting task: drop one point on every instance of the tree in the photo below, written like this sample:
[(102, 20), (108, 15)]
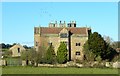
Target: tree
[(99, 47), (88, 55), (14, 44), (118, 42), (97, 44), (36, 56), (41, 54), (5, 46), (8, 46), (7, 54), (62, 53), (110, 42), (25, 46), (24, 56), (32, 56), (50, 55), (98, 58), (29, 55), (111, 47)]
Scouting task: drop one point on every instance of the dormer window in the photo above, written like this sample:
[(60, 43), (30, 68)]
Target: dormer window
[(63, 35)]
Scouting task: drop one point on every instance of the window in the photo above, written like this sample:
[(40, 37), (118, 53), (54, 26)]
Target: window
[(77, 44), (36, 43), (66, 43), (50, 43), (18, 50), (63, 35), (77, 53)]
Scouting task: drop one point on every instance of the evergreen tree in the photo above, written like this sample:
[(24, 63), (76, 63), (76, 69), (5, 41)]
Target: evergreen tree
[(97, 45), (50, 55), (62, 53)]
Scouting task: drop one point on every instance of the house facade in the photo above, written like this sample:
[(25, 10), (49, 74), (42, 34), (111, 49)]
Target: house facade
[(74, 37), (16, 50)]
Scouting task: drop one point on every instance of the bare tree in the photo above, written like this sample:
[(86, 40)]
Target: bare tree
[(108, 39), (110, 42)]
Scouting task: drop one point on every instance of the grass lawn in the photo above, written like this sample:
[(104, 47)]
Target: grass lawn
[(45, 70)]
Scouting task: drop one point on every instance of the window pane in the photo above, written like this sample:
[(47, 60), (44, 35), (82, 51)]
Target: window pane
[(77, 44), (49, 43), (36, 43), (63, 35), (77, 53)]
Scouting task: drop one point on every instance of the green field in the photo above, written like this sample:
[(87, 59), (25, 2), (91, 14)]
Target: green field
[(45, 70)]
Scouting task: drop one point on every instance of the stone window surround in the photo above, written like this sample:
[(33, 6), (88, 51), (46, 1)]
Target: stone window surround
[(78, 44), (77, 53)]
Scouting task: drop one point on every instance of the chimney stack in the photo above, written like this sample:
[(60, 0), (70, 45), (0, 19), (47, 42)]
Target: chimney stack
[(55, 22), (64, 22), (60, 22)]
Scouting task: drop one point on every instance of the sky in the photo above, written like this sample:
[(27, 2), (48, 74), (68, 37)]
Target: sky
[(20, 18)]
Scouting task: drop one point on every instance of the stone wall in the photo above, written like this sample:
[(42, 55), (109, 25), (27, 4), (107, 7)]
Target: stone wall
[(74, 48), (116, 65), (2, 62), (23, 63), (61, 65), (55, 42)]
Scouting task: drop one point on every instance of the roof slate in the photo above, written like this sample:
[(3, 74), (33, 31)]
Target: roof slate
[(56, 30)]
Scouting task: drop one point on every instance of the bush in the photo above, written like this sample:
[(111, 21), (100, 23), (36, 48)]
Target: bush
[(99, 65), (7, 54), (116, 58), (98, 58)]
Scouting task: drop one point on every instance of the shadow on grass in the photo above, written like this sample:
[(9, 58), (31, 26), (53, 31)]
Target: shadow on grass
[(60, 75)]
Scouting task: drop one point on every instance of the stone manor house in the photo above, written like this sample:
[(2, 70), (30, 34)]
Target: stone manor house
[(74, 37)]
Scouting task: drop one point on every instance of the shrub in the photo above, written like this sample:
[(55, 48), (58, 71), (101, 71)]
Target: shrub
[(62, 53), (98, 58), (50, 55)]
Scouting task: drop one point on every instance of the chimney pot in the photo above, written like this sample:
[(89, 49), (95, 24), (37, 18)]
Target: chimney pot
[(60, 22), (64, 21), (56, 22)]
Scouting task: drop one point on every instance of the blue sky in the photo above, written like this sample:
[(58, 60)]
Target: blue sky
[(19, 18)]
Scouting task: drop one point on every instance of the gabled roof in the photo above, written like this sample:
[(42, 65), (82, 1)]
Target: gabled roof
[(47, 30), (56, 30), (17, 46)]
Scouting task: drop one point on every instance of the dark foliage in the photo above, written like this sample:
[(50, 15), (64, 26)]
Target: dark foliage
[(99, 47)]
